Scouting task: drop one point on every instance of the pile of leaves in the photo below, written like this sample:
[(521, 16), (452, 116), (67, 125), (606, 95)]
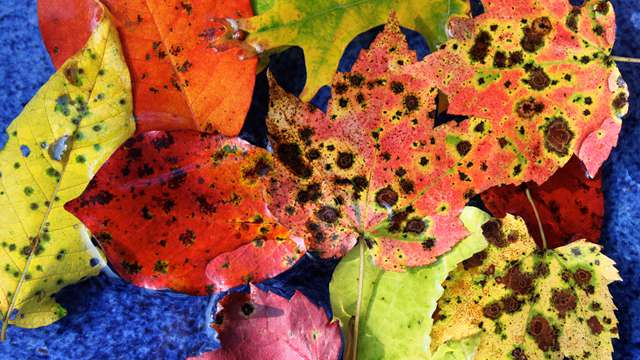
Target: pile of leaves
[(129, 156)]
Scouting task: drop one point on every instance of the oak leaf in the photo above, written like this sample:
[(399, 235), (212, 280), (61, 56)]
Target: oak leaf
[(55, 146), (377, 165), (263, 325), (395, 316), (570, 205), (180, 81), (186, 211), (323, 29), (529, 303)]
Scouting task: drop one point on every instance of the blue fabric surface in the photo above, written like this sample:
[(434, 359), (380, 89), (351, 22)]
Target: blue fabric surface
[(111, 319)]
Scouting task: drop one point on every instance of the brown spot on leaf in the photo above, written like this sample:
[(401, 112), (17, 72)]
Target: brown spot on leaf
[(558, 136), (72, 73), (543, 333), (411, 103), (328, 214), (344, 160), (518, 354), (291, 156), (511, 304), (476, 260), (528, 108), (620, 101), (594, 325), (416, 226), (386, 197), (564, 301), (463, 147), (491, 230), (582, 277), (492, 311), (480, 48), (538, 79), (521, 283), (406, 186)]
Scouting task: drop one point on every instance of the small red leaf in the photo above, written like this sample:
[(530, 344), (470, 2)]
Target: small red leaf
[(263, 325), (570, 205), (186, 211)]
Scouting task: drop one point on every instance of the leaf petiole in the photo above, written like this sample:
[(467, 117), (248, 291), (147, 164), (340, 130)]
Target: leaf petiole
[(535, 211)]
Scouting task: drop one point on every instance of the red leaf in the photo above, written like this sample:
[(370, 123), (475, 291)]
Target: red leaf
[(263, 325), (377, 167), (167, 48), (186, 211), (571, 206)]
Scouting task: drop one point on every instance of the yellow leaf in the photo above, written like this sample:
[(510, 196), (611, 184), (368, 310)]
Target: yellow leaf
[(56, 145), (552, 304)]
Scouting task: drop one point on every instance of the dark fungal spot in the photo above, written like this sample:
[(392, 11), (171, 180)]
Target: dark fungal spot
[(479, 127), (187, 238), (533, 38), (247, 309), (603, 7), (328, 214), (428, 244), (541, 25), (163, 142), (492, 311), (528, 108), (131, 268), (406, 186), (146, 214), (463, 147), (359, 183), (518, 354), (511, 304), (259, 169), (563, 301), (397, 87), (500, 59), (310, 194), (492, 231), (341, 88), (538, 79), (424, 161), (480, 48), (356, 80), (360, 98), (620, 101), (595, 325), (558, 136), (103, 198), (72, 74), (344, 160), (177, 178), (517, 169), (572, 19), (316, 233), (476, 260), (291, 156), (416, 226), (313, 154), (493, 27), (543, 333), (411, 103), (582, 277), (205, 206), (516, 58), (386, 197), (521, 283)]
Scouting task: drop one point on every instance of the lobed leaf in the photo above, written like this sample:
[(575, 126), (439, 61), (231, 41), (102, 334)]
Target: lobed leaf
[(180, 81), (186, 211), (532, 304), (55, 146), (395, 320), (323, 29), (263, 325)]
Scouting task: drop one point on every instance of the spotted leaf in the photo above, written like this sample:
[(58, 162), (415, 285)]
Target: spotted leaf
[(180, 82), (263, 325), (323, 29), (398, 305), (570, 205), (528, 303), (186, 211), (55, 146), (381, 164)]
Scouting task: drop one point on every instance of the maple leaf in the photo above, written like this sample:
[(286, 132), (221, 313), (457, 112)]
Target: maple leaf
[(323, 29), (185, 211), (263, 325), (570, 205), (542, 72), (180, 82), (528, 303), (55, 146), (395, 310), (378, 167)]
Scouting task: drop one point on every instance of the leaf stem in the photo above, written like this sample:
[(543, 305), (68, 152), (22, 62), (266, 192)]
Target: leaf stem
[(535, 211), (625, 59), (356, 324)]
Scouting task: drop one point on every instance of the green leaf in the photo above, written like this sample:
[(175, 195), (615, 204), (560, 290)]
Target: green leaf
[(527, 303), (464, 349), (323, 29), (395, 319), (58, 142)]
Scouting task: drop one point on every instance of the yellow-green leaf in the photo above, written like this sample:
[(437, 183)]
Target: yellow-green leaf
[(528, 303), (56, 145), (323, 29), (395, 316)]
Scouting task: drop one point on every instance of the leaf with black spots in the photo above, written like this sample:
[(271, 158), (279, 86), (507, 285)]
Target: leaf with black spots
[(186, 211)]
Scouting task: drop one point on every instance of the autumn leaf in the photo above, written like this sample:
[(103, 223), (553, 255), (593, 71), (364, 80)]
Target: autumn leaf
[(180, 81), (570, 205), (529, 303), (185, 211), (263, 325), (378, 166), (396, 307), (58, 142), (542, 72), (323, 29)]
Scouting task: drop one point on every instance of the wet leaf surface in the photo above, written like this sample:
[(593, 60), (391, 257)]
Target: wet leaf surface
[(186, 211), (180, 81)]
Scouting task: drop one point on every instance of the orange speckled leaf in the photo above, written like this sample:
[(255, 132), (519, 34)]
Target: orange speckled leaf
[(186, 211), (180, 82), (377, 167), (263, 325), (571, 205)]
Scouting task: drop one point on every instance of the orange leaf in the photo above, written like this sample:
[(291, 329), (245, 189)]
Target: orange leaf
[(180, 82)]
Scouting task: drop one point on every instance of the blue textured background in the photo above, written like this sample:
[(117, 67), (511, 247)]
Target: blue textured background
[(111, 319)]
